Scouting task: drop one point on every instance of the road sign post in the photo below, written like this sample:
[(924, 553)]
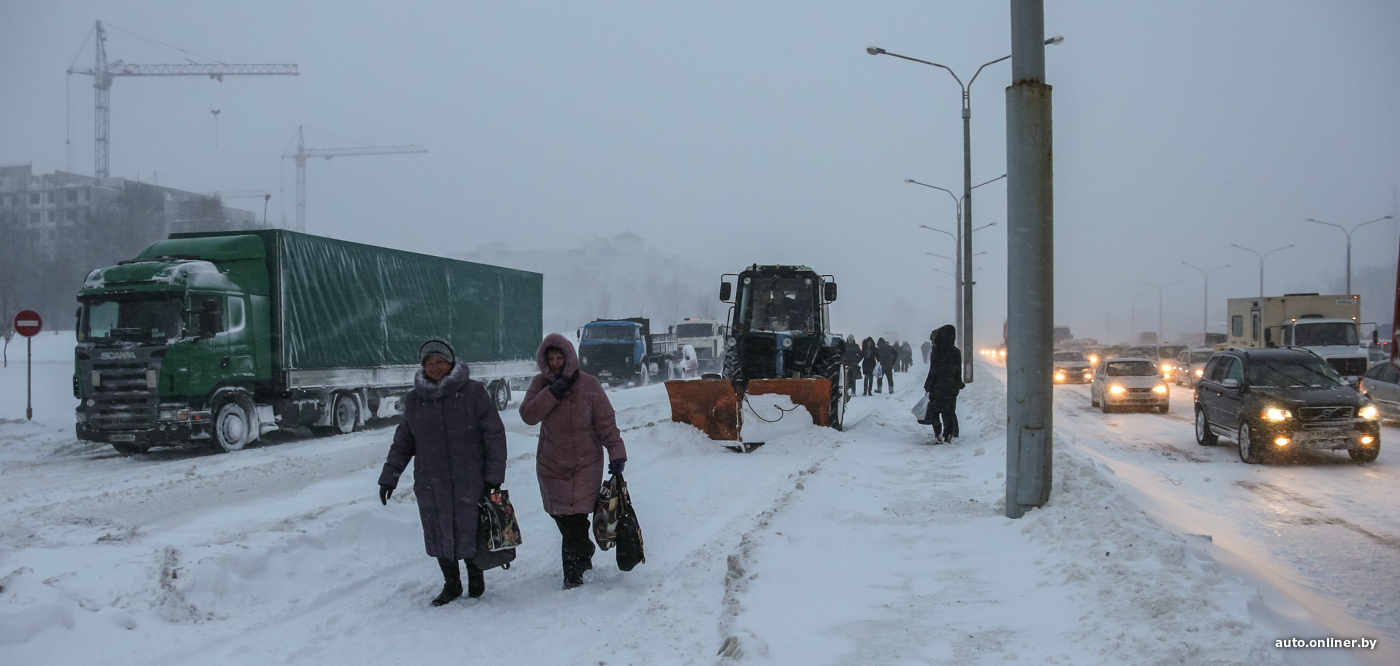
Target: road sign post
[(28, 323)]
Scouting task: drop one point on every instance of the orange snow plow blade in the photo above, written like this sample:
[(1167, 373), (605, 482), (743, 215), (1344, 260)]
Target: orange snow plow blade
[(712, 406)]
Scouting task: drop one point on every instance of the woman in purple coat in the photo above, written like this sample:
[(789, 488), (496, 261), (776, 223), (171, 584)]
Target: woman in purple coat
[(577, 423), (451, 426)]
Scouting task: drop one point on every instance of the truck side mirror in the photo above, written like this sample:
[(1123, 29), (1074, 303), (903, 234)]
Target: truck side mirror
[(725, 291), (830, 292)]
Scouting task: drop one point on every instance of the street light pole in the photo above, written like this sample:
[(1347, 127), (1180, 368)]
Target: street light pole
[(964, 340), (1159, 306), (1205, 299), (1348, 233), (1262, 257), (967, 282)]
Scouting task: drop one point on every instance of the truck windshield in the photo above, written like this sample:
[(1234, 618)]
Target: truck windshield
[(779, 304), (131, 320), (1324, 334), (612, 333), (1292, 373), (695, 330), (1068, 356), (1131, 368)]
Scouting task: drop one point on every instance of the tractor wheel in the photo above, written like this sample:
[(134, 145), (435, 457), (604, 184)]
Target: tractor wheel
[(828, 365)]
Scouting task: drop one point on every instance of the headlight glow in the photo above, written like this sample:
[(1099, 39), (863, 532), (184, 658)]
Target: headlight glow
[(1116, 389), (1370, 413), (1059, 376), (1276, 414), (1200, 371), (1282, 441), (1160, 388), (1367, 439)]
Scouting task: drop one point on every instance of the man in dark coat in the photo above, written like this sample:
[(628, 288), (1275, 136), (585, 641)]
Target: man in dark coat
[(906, 356), (925, 349), (886, 354), (453, 434), (943, 383), (851, 361), (868, 362)]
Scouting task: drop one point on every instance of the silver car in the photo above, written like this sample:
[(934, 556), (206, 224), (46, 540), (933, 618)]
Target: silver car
[(1190, 364), (1382, 385), (1129, 382)]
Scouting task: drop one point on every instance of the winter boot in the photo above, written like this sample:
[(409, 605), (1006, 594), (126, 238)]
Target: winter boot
[(452, 582), (476, 582)]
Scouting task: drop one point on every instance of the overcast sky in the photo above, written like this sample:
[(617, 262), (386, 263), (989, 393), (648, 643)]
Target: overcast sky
[(741, 132)]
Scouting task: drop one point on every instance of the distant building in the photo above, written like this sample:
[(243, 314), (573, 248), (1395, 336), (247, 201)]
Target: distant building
[(56, 209)]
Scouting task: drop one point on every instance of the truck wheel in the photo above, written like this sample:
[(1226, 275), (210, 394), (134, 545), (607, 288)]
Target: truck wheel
[(346, 414), (232, 426), (1250, 450), (1365, 454), (644, 377), (1204, 435), (500, 393)]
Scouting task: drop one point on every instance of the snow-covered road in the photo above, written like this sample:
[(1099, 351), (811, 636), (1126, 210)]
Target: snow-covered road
[(864, 546)]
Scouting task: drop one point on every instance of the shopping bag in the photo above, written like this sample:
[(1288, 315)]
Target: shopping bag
[(605, 515), (615, 523), (920, 411), (497, 532)]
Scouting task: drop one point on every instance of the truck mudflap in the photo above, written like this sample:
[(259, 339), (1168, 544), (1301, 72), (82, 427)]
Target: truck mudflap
[(713, 406)]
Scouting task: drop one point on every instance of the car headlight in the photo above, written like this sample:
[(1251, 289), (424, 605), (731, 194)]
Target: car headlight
[(1160, 388), (1088, 376), (1059, 376), (1276, 414), (1370, 413), (1200, 372), (1116, 389)]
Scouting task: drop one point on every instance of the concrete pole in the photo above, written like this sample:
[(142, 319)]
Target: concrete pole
[(1349, 292), (1030, 265)]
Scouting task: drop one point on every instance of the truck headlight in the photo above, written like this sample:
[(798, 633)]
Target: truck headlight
[(1276, 414), (583, 360), (1370, 413), (1116, 389), (1160, 388)]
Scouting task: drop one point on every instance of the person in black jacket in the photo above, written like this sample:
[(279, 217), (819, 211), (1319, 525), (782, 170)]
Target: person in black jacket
[(851, 360), (906, 356), (886, 354), (867, 362), (943, 383), (925, 348)]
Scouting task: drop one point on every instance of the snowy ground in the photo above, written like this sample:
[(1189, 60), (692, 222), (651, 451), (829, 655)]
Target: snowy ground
[(864, 546)]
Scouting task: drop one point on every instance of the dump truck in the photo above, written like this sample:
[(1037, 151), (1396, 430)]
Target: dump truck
[(218, 338), (1323, 324), (707, 337), (780, 343), (617, 351)]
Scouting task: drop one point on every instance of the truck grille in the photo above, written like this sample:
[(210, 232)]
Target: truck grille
[(1348, 367), (122, 401), (1340, 413), (614, 358)]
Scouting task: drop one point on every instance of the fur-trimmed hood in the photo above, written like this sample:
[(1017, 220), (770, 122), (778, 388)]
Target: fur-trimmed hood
[(570, 356), (431, 390)]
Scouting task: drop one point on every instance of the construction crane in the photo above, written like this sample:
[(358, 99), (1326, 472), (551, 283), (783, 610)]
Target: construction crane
[(103, 74), (303, 153)]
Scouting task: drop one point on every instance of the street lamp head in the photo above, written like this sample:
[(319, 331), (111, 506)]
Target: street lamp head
[(874, 50), (908, 180), (1057, 39)]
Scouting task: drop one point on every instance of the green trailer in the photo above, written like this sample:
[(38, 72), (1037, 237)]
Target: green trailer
[(220, 337)]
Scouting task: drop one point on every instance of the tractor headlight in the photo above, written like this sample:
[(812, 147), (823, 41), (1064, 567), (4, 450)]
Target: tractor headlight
[(1115, 390), (787, 343), (1276, 414), (1160, 388), (1370, 413)]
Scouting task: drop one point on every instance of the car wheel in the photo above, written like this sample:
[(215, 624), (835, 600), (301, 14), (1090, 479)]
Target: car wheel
[(1365, 453), (1204, 435), (1107, 409), (1164, 408), (1250, 450)]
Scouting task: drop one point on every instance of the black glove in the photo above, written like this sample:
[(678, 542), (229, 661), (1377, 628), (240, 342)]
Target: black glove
[(559, 388), (491, 489), (615, 466), (384, 493)]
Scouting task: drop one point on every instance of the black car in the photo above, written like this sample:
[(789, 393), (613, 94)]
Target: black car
[(1271, 400)]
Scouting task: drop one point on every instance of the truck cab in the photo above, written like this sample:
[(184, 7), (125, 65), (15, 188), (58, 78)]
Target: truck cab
[(708, 339), (617, 351), (1325, 325)]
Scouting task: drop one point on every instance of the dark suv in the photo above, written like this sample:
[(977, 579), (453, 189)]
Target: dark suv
[(1278, 399)]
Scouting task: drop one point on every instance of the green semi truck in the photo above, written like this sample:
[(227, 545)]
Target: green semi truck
[(218, 338)]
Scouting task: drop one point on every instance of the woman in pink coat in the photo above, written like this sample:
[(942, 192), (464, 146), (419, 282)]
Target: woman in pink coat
[(576, 423)]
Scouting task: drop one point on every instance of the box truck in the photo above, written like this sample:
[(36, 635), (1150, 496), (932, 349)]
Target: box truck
[(1323, 324), (221, 337)]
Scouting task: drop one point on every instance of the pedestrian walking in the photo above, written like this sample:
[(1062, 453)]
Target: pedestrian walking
[(851, 360), (925, 349), (886, 354), (868, 361), (906, 356), (578, 424), (943, 383), (454, 436)]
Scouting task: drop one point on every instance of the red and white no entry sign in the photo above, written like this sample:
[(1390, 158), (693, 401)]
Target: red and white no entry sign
[(28, 323)]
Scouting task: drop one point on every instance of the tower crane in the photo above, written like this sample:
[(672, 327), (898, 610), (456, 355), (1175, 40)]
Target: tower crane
[(303, 153), (103, 74)]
